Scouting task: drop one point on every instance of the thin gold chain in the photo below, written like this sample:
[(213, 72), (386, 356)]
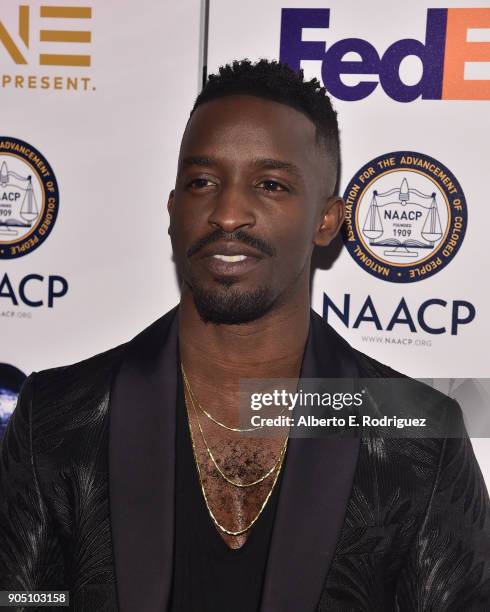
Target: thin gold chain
[(228, 531), (210, 416), (210, 453)]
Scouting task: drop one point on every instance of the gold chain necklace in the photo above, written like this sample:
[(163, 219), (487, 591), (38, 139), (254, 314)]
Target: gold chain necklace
[(210, 453), (211, 514), (210, 416)]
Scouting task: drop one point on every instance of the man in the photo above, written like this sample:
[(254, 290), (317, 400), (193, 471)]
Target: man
[(126, 478)]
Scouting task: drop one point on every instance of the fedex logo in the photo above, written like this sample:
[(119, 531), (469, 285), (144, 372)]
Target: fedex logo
[(454, 41)]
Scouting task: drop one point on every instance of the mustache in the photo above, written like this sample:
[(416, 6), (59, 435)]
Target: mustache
[(236, 236)]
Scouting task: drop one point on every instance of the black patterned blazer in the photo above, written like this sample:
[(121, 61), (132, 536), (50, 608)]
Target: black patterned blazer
[(363, 523)]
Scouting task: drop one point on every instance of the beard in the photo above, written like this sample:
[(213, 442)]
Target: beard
[(227, 305), (224, 303)]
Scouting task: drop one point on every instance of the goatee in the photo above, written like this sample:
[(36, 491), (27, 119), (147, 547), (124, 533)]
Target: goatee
[(229, 306)]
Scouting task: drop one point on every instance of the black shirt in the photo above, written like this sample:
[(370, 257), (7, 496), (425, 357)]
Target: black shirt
[(209, 576)]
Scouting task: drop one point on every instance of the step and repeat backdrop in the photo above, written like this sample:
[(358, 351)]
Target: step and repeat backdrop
[(95, 97)]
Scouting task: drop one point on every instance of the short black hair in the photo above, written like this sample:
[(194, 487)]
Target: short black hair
[(277, 82)]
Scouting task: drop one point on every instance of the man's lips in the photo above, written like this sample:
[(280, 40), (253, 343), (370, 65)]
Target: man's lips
[(229, 249), (229, 258), (230, 265)]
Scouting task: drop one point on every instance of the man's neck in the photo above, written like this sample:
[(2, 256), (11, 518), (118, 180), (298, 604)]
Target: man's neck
[(269, 347)]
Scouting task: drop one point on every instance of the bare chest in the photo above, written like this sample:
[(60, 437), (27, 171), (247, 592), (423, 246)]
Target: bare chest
[(237, 478)]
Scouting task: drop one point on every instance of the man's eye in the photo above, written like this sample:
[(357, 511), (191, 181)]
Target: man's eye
[(200, 183), (273, 186)]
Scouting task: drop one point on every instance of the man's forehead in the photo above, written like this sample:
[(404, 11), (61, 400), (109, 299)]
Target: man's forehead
[(247, 124)]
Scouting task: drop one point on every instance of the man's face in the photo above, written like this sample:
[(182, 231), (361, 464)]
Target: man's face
[(252, 198)]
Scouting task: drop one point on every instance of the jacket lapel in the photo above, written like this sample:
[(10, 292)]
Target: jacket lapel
[(316, 483), (316, 486), (141, 467)]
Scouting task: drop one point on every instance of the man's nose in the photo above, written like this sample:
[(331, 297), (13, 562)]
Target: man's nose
[(233, 209)]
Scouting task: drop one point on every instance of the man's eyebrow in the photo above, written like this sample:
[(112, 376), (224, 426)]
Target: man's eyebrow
[(198, 160), (266, 163), (276, 164)]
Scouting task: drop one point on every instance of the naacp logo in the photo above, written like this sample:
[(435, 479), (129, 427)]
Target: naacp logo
[(405, 216), (29, 198)]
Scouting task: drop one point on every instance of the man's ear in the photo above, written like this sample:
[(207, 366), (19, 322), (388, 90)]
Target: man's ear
[(170, 205), (170, 201), (331, 220)]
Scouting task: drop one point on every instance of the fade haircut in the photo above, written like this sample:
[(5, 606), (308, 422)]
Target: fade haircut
[(277, 82)]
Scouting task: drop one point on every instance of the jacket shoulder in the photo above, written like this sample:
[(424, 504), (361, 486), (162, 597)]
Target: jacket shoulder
[(374, 368), (411, 396), (96, 371), (68, 386), (367, 367)]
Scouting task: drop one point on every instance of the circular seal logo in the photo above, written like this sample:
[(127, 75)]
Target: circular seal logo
[(406, 216), (29, 198)]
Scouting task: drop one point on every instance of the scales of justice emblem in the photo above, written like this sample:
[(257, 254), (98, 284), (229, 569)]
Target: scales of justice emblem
[(18, 204), (403, 219)]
